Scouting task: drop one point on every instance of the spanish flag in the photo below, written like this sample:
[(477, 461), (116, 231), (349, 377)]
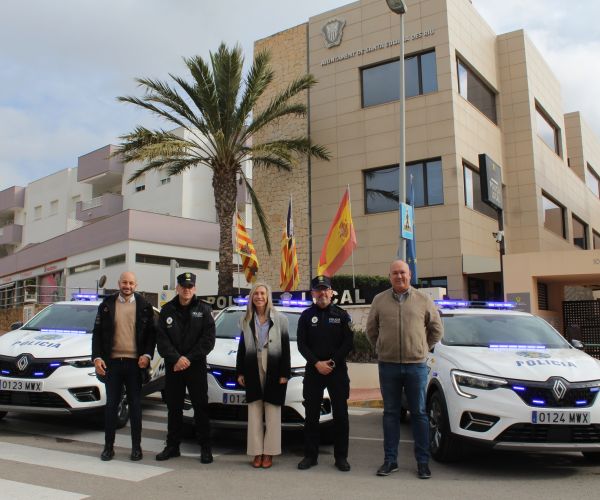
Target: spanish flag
[(340, 241), (245, 247), (289, 277)]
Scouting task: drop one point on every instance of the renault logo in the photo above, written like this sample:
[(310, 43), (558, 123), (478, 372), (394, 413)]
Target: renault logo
[(559, 389), (22, 363)]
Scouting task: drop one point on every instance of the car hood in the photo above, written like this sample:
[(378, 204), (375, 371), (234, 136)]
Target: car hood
[(225, 353), (522, 364), (45, 344)]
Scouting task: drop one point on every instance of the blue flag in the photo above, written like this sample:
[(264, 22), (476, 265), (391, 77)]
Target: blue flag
[(411, 245)]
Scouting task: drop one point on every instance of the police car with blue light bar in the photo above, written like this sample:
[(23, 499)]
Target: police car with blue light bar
[(508, 380), (226, 398), (46, 366)]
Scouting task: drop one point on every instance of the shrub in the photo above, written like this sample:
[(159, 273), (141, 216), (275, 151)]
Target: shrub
[(362, 352)]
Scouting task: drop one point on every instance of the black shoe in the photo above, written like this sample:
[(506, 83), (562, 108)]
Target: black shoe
[(387, 468), (342, 464), (423, 471), (136, 454), (107, 453), (168, 452), (206, 454), (307, 463)]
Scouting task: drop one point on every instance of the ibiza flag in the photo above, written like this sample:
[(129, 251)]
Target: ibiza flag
[(340, 241), (245, 247), (289, 275), (411, 245)]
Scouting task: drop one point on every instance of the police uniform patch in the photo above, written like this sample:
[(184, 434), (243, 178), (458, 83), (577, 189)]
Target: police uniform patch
[(169, 320), (314, 319), (335, 320), (197, 314)]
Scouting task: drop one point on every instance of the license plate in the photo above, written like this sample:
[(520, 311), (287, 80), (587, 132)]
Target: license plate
[(234, 398), (19, 385), (561, 417)]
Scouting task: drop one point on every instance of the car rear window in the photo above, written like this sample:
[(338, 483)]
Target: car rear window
[(500, 330), (76, 317), (228, 324)]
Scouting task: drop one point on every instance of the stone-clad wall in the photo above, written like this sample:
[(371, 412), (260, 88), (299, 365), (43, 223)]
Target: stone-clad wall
[(273, 188)]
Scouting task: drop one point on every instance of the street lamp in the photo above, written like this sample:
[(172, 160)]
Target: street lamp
[(399, 7)]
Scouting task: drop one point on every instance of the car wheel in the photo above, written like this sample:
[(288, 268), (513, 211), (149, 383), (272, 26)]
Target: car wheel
[(2, 414), (443, 445), (122, 410), (592, 456)]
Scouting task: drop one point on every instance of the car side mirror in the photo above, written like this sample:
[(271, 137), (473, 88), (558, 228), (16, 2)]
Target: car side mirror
[(16, 325), (577, 344)]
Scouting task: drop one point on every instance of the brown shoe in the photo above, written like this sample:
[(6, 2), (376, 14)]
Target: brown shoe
[(267, 461), (257, 462)]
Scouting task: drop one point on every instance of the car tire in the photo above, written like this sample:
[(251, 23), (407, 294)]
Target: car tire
[(592, 456), (444, 446), (122, 410), (3, 414)]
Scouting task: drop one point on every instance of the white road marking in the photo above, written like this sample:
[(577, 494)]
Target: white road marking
[(75, 462), (22, 491)]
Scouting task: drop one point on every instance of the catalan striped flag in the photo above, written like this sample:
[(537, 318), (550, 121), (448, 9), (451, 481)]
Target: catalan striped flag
[(340, 241), (245, 247), (289, 275)]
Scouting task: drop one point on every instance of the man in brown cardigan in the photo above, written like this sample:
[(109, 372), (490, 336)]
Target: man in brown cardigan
[(403, 325)]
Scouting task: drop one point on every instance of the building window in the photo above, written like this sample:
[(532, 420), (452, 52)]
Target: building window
[(37, 212), (381, 83), (596, 238), (139, 184), (165, 180), (473, 192), (113, 261), (140, 187), (439, 281), (476, 91), (82, 268), (554, 216), (547, 130), (53, 207), (592, 180), (579, 232), (381, 186), (542, 293), (166, 261)]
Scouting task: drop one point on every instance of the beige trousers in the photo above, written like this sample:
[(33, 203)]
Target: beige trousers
[(263, 439)]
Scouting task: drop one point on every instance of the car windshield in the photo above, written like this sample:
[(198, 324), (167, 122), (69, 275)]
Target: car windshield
[(500, 330), (227, 324), (75, 317)]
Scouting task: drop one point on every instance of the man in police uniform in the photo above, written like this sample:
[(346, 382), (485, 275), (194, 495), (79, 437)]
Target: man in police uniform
[(186, 334), (325, 339)]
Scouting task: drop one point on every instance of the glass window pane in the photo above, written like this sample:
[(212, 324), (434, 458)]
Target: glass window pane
[(468, 187), (381, 84), (435, 183), (414, 173), (428, 72), (546, 131), (579, 233), (553, 217), (473, 194), (411, 76), (381, 190), (478, 93), (592, 180), (596, 237), (462, 80)]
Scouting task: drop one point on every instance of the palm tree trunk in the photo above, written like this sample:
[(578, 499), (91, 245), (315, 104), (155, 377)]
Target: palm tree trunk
[(225, 191)]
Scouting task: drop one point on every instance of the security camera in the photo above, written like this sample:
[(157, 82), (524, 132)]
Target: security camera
[(498, 236)]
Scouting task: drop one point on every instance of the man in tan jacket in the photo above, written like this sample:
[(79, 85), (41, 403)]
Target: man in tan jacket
[(403, 325)]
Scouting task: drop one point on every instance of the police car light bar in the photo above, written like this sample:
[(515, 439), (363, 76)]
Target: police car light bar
[(56, 330), (84, 296), (489, 304), (242, 301)]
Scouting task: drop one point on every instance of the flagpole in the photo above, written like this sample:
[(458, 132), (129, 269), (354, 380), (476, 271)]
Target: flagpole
[(352, 254), (239, 257)]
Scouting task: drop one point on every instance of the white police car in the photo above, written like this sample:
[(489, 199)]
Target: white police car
[(46, 366), (508, 380), (226, 399)]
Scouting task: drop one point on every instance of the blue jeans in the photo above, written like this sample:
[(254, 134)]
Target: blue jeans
[(393, 377)]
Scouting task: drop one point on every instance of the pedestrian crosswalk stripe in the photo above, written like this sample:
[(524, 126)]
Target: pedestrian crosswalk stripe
[(74, 462), (22, 491)]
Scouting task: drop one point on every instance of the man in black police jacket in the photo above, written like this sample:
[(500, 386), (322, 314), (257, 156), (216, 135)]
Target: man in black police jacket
[(186, 334), (325, 339)]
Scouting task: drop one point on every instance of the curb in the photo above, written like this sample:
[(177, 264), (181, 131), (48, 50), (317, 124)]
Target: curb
[(366, 403)]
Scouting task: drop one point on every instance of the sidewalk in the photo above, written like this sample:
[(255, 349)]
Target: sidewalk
[(364, 385)]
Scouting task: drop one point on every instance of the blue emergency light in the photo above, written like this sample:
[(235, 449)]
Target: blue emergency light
[(489, 304)]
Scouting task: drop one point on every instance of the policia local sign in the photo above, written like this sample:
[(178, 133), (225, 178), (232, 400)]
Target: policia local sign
[(341, 297)]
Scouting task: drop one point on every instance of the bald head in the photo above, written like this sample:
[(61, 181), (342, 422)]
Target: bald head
[(127, 284), (400, 276)]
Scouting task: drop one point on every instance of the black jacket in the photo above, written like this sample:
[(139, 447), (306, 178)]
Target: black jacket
[(278, 361), (104, 328), (190, 334), (325, 334)]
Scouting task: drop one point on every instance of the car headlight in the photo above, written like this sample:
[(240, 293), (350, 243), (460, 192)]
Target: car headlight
[(298, 372), (462, 380), (80, 362)]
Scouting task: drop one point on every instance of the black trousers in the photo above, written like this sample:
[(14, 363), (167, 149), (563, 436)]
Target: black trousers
[(194, 379), (123, 372), (338, 385)]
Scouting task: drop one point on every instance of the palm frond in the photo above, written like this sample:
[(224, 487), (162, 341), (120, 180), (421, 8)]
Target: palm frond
[(227, 66), (258, 79)]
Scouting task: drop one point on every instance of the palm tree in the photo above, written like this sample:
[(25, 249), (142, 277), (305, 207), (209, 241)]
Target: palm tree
[(215, 108)]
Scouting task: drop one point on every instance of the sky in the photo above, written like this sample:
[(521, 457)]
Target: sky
[(63, 62)]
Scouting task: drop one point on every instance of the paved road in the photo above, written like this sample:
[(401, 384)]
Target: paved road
[(57, 458)]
